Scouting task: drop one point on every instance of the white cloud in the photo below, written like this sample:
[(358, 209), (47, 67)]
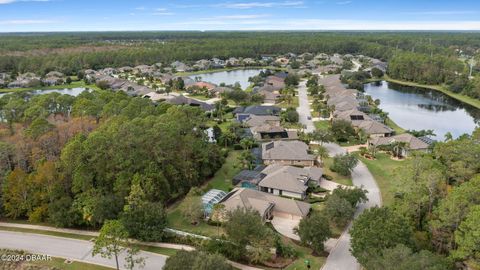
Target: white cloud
[(344, 2), (163, 13), (24, 22), (248, 5), (140, 8), (13, 1), (160, 9), (242, 16), (442, 12)]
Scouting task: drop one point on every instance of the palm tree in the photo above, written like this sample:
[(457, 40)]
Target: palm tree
[(247, 143), (322, 153), (448, 136), (398, 148)]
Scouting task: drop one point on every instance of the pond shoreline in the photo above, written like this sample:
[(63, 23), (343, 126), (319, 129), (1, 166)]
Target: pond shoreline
[(462, 98), (77, 84), (416, 108)]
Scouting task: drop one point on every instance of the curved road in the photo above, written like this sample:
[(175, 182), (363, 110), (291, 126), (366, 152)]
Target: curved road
[(72, 249), (340, 257)]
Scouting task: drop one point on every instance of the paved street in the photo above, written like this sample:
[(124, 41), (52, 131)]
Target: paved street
[(340, 257), (304, 108), (77, 250)]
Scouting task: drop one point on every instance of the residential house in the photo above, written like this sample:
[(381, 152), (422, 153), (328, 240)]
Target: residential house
[(287, 153), (201, 85), (182, 100), (54, 78), (267, 205), (289, 181), (269, 97), (24, 80), (232, 62), (275, 82), (242, 113), (248, 178), (412, 143), (267, 127), (202, 64), (179, 66), (219, 90)]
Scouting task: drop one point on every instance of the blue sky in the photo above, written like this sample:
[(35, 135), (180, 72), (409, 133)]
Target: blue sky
[(100, 15)]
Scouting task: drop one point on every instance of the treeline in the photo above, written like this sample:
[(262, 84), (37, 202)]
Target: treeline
[(132, 48), (434, 221), (425, 69), (80, 161)]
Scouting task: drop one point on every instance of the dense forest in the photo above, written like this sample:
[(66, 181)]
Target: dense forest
[(70, 52), (72, 161), (434, 221)]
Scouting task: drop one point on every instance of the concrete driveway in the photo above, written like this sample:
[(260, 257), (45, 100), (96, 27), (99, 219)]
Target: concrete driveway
[(72, 249), (285, 227)]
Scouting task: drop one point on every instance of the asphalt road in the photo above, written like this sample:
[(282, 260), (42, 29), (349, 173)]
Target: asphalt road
[(340, 257), (304, 108), (77, 250)]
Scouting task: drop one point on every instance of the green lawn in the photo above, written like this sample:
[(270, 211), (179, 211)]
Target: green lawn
[(395, 127), (322, 125), (305, 253), (175, 220), (59, 263), (337, 178), (160, 250), (221, 180), (223, 177), (293, 104), (386, 172)]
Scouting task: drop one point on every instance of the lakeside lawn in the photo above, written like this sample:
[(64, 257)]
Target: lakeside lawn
[(386, 173), (398, 129)]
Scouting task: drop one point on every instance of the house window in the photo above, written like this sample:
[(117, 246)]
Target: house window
[(280, 192)]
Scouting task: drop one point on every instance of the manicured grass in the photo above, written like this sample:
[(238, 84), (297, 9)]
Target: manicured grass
[(305, 253), (294, 103), (386, 173), (441, 88), (160, 250), (322, 125), (59, 263), (395, 127), (221, 180), (223, 177), (337, 178), (175, 220), (58, 234)]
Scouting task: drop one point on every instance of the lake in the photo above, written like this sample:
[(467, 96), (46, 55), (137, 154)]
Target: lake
[(69, 91), (229, 77), (418, 108)]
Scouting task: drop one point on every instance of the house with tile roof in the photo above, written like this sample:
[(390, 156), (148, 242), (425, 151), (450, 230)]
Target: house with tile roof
[(287, 153), (267, 205), (289, 181)]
